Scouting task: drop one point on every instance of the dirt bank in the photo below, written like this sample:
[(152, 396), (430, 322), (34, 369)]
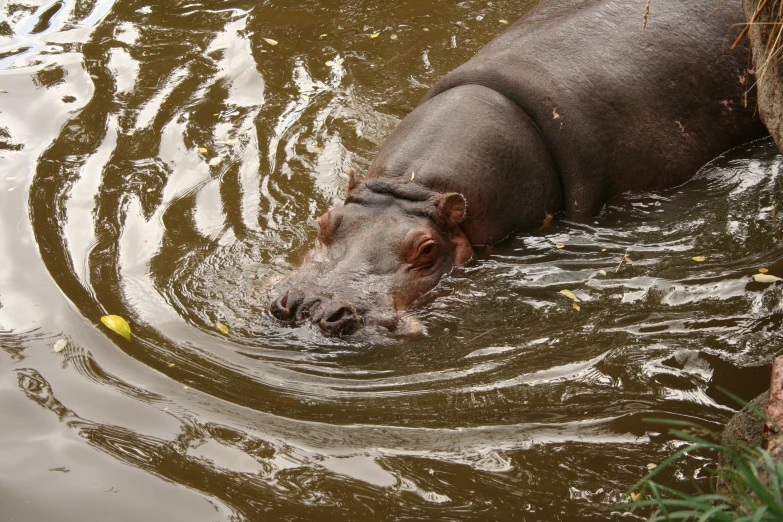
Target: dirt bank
[(766, 39)]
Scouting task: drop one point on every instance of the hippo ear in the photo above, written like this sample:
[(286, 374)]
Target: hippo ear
[(451, 207), (352, 182)]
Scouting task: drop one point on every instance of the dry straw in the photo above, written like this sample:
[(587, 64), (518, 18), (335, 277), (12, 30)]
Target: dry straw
[(769, 17)]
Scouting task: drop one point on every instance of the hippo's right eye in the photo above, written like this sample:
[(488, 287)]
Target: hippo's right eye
[(426, 253)]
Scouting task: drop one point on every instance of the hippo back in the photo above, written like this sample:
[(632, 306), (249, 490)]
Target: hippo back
[(622, 107)]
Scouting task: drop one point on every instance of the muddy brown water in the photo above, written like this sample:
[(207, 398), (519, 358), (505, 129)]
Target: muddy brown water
[(514, 405)]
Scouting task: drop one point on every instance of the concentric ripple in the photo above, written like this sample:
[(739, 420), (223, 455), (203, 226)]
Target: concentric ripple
[(166, 161)]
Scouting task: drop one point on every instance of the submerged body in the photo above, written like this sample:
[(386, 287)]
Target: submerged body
[(572, 105)]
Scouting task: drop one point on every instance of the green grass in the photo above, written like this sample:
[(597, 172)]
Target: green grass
[(751, 490)]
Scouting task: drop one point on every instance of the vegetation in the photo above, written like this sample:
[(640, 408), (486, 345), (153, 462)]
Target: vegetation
[(747, 486)]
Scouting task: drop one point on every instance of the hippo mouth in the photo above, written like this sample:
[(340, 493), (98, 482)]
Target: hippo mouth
[(336, 317)]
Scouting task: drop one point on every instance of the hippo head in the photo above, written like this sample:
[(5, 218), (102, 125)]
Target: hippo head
[(390, 242)]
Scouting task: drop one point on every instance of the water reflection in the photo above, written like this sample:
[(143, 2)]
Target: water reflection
[(165, 163)]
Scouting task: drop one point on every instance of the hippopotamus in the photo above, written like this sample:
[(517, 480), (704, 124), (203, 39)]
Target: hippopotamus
[(572, 105)]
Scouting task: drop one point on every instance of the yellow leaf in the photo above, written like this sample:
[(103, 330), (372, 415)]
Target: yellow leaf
[(635, 496), (60, 345), (270, 41), (504, 22), (170, 365), (185, 387), (763, 270), (323, 35), (305, 98), (393, 37), (220, 326), (765, 278), (375, 35), (341, 61), (698, 259), (575, 306), (118, 325), (569, 294), (559, 245), (203, 149), (329, 63), (413, 174), (215, 161), (650, 466), (603, 250)]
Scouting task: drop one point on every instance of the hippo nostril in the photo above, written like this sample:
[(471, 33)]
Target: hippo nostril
[(339, 318), (284, 307)]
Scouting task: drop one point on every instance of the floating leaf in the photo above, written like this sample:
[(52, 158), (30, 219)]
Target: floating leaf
[(170, 365), (60, 345), (375, 35), (220, 326), (602, 272), (504, 22), (341, 61), (329, 63), (305, 98), (559, 245), (393, 37), (698, 259), (765, 278), (185, 387), (203, 149), (569, 294), (651, 466), (413, 174), (635, 496), (603, 250), (627, 259), (575, 306), (270, 41), (118, 325), (323, 35), (215, 161), (762, 270)]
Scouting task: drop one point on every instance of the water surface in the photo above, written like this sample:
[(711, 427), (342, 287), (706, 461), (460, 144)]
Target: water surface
[(164, 161)]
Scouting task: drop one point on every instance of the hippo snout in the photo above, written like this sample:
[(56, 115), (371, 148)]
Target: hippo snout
[(333, 317)]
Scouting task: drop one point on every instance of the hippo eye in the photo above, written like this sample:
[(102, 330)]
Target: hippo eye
[(327, 226), (427, 253)]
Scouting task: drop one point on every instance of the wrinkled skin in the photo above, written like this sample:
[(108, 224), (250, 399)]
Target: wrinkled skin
[(407, 245), (572, 105)]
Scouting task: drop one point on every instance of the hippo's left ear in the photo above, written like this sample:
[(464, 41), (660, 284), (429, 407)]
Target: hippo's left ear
[(451, 207)]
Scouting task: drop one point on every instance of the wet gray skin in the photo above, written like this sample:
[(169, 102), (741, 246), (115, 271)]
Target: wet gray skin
[(391, 242)]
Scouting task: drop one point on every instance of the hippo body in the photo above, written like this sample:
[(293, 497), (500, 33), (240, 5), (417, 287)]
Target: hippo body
[(573, 104)]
